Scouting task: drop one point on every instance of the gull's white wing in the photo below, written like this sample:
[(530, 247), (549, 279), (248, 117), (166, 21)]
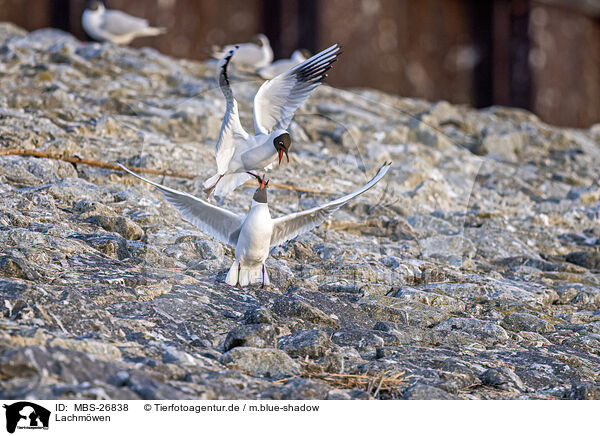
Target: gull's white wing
[(277, 99), (289, 226), (221, 224), (232, 133), (119, 23)]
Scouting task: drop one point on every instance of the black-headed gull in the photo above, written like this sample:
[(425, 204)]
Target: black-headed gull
[(255, 234), (282, 65), (114, 26), (250, 55), (236, 151)]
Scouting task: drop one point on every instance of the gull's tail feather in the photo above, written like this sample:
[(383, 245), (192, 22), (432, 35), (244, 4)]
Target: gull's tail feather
[(151, 31), (247, 276), (226, 184), (211, 181)]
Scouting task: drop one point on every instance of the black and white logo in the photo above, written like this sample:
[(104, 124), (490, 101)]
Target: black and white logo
[(26, 415)]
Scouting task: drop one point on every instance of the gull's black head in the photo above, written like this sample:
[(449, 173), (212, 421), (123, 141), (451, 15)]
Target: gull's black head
[(259, 39), (282, 144), (260, 195), (94, 5)]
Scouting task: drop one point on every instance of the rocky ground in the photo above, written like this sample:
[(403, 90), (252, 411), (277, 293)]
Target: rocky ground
[(471, 271)]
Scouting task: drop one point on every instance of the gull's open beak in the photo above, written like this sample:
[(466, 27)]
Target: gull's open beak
[(258, 179), (287, 157), (281, 151)]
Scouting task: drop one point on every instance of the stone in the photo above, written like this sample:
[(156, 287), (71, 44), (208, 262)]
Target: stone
[(420, 391), (586, 259), (502, 378), (519, 321), (487, 332), (99, 349), (305, 343), (361, 339), (298, 388), (338, 394), (294, 308), (251, 335), (263, 362), (584, 391), (258, 315), (505, 146), (121, 225)]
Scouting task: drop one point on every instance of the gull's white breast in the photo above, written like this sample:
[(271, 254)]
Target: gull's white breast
[(256, 155), (91, 22), (255, 236)]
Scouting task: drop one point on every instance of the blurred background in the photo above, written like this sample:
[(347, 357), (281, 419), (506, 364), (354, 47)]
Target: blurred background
[(541, 55)]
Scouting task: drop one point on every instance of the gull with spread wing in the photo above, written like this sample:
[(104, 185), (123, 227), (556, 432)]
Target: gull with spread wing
[(115, 26), (237, 152), (255, 234)]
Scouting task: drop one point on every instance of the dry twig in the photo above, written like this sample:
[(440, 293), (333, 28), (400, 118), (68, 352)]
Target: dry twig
[(374, 384), (111, 166)]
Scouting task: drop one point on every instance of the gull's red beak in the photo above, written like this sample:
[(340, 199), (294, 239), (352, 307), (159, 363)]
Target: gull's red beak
[(262, 183), (281, 151)]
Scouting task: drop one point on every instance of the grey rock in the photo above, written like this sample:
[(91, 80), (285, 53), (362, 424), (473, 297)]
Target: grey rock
[(72, 367), (305, 343), (451, 249), (121, 225), (472, 328), (361, 339), (502, 378), (264, 362), (258, 315), (396, 310), (338, 361), (300, 389), (251, 335), (385, 326), (209, 250), (505, 146), (430, 298), (584, 391), (292, 307), (586, 259), (338, 394), (15, 265), (519, 321), (421, 391)]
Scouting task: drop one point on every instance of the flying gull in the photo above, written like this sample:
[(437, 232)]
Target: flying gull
[(238, 153)]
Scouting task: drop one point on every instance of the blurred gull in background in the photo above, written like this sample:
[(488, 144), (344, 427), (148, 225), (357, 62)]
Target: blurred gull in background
[(282, 65), (114, 26), (249, 56)]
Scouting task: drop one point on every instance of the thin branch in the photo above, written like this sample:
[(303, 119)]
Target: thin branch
[(112, 166), (90, 162)]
